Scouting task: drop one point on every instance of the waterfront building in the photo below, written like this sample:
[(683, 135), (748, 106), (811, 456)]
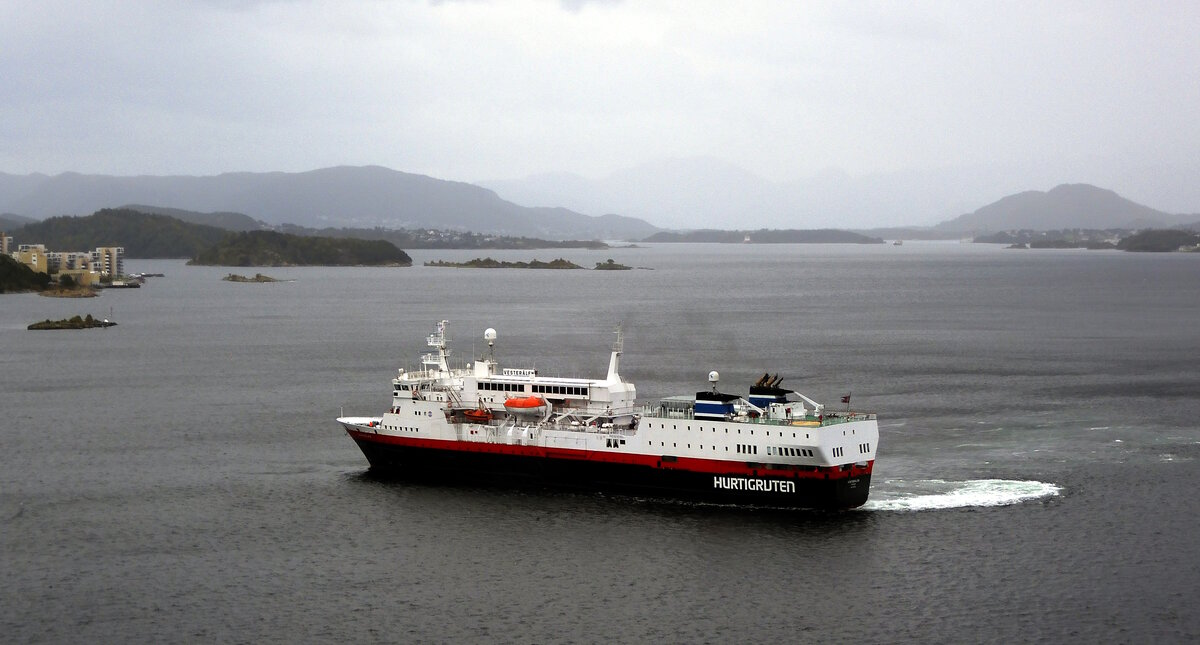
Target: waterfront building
[(109, 260), (34, 256), (77, 264)]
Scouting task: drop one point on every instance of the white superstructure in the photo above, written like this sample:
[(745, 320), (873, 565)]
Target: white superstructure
[(780, 430)]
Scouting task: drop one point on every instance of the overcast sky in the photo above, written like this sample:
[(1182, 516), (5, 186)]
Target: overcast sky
[(1089, 91)]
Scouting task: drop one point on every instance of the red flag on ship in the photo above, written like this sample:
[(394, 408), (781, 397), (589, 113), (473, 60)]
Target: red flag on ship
[(846, 399)]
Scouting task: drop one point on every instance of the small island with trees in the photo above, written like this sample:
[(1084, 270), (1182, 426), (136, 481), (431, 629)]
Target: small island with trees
[(75, 322), (559, 263), (489, 263), (258, 278)]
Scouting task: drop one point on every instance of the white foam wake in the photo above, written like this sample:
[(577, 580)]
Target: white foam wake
[(934, 494)]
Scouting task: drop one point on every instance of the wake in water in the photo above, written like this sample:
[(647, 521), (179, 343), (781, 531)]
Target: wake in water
[(935, 494)]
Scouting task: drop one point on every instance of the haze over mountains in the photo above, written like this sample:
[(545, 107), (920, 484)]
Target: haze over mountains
[(709, 193), (365, 196), (1064, 206), (680, 191)]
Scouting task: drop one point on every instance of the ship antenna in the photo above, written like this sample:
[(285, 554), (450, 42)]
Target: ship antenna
[(489, 335)]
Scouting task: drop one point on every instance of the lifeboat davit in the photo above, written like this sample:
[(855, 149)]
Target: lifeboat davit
[(526, 405)]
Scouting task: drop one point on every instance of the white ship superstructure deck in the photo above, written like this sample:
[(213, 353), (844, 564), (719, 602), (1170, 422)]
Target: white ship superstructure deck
[(482, 409)]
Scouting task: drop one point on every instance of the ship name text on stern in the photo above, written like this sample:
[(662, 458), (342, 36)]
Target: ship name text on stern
[(745, 483)]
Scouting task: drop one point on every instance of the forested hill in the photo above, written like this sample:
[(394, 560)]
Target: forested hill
[(221, 219), (1067, 206), (269, 248), (1161, 240), (15, 277), (143, 235)]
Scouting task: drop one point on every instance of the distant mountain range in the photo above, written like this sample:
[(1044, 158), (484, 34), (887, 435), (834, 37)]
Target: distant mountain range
[(8, 221), (226, 220), (699, 193), (682, 191), (346, 196)]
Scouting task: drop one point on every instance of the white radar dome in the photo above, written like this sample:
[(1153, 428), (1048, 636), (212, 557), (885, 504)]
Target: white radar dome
[(713, 376), (489, 334)]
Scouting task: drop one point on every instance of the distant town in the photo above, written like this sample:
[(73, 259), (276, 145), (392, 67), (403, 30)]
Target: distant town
[(104, 265)]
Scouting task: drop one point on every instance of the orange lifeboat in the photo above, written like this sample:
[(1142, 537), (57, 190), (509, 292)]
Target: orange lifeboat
[(477, 415), (526, 405)]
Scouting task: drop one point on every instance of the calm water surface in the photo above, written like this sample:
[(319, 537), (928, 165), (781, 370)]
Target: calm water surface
[(179, 477)]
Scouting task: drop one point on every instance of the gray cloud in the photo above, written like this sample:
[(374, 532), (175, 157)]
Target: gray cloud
[(1081, 92)]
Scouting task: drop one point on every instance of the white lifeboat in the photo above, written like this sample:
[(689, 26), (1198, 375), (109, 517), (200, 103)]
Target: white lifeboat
[(527, 405)]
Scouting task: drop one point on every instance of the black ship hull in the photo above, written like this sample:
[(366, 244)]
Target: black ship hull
[(653, 477)]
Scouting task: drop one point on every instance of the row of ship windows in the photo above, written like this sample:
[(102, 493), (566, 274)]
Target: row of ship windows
[(676, 445), (569, 390), (502, 387), (402, 428), (747, 449), (416, 413), (675, 426), (864, 447), (789, 452)]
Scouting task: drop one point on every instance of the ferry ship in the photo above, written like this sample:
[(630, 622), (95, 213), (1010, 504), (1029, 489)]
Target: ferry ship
[(481, 423)]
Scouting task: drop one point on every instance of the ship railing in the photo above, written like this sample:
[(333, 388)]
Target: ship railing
[(825, 419), (832, 418)]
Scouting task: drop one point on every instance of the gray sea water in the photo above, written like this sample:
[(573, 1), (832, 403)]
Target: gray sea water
[(179, 477)]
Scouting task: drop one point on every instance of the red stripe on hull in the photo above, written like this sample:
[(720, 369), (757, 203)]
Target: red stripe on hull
[(518, 466), (666, 462)]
